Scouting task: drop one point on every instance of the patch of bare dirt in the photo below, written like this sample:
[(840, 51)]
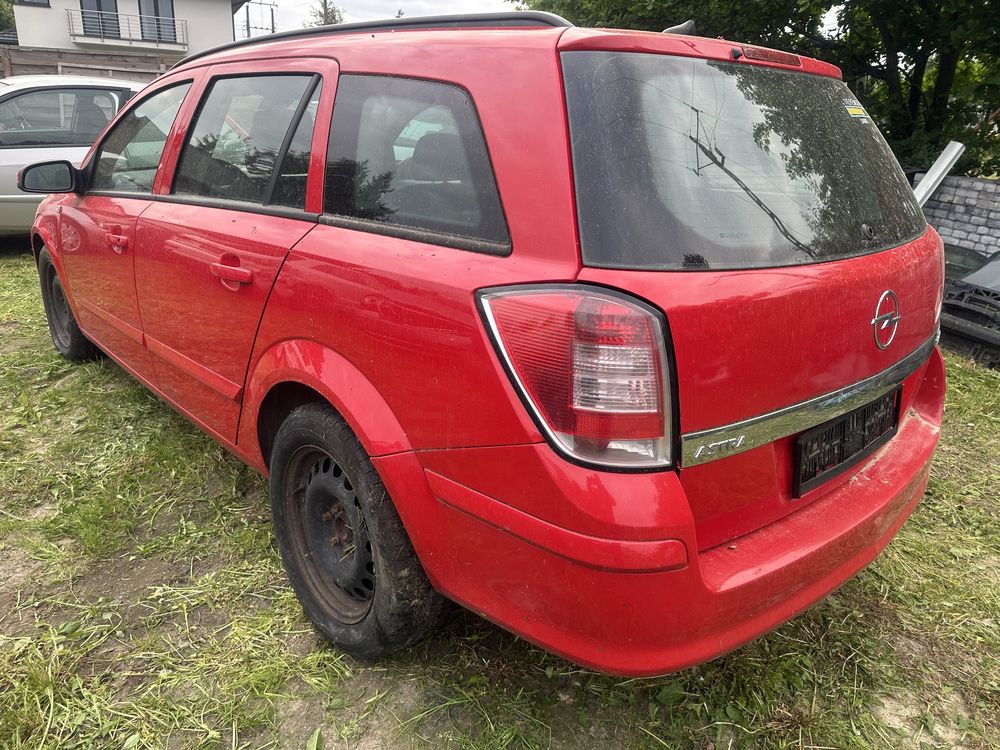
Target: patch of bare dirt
[(365, 716), (12, 345), (297, 718), (937, 723), (127, 581), (16, 569)]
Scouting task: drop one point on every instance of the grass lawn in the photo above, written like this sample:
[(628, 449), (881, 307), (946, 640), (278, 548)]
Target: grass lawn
[(143, 604)]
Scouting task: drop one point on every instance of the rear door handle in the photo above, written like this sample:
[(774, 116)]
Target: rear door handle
[(231, 274), (118, 242)]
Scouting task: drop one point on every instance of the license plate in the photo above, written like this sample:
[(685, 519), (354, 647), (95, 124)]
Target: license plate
[(837, 445)]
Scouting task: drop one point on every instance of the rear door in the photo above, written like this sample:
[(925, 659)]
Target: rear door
[(244, 189), (763, 212), (97, 228)]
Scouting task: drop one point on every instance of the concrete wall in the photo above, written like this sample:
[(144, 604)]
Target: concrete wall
[(966, 212), (209, 23)]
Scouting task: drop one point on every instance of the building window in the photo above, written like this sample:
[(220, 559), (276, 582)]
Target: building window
[(100, 18), (156, 17), (43, 3)]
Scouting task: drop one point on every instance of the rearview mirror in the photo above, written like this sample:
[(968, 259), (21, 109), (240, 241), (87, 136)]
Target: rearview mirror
[(48, 177)]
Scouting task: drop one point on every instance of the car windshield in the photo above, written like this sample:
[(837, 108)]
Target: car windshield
[(961, 261), (686, 163)]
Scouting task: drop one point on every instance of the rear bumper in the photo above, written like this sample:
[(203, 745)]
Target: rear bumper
[(636, 605)]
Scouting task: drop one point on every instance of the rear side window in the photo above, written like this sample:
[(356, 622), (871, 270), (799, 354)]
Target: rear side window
[(409, 155), (128, 158), (57, 117), (238, 135), (698, 164)]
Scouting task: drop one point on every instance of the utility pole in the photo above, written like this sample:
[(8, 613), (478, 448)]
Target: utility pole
[(271, 28)]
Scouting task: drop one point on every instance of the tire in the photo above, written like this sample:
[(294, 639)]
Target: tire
[(343, 545), (66, 335)]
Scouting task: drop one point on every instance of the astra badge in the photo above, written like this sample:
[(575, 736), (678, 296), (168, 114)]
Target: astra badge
[(886, 319)]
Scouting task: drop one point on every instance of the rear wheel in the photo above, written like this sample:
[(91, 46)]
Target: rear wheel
[(66, 335), (344, 547)]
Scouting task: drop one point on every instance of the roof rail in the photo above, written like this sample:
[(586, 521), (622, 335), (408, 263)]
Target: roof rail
[(460, 21)]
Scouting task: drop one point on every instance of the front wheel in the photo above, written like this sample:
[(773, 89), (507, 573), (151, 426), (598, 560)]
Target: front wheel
[(66, 335), (343, 545)]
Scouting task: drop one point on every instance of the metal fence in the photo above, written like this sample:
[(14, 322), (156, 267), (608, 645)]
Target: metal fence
[(138, 30)]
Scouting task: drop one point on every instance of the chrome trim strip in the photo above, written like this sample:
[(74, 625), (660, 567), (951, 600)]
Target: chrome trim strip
[(719, 442)]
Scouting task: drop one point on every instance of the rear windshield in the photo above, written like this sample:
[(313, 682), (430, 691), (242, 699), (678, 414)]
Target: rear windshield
[(698, 164)]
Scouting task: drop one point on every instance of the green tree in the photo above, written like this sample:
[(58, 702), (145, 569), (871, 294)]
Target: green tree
[(6, 15), (927, 70), (324, 13)]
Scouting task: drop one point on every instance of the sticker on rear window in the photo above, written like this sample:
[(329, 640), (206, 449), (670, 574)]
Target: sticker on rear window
[(854, 109)]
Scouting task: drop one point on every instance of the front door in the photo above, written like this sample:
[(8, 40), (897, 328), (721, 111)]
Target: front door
[(210, 250), (98, 227)]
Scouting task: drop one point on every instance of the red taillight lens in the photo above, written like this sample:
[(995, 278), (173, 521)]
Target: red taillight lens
[(591, 365)]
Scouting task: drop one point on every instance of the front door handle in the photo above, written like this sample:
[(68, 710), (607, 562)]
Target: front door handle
[(231, 276), (118, 242)]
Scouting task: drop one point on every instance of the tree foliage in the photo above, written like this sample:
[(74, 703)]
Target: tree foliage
[(6, 15), (324, 13), (927, 70)]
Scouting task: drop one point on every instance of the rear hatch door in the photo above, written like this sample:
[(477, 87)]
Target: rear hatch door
[(760, 208)]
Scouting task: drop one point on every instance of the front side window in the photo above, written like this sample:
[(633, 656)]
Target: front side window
[(57, 117), (290, 182), (686, 163), (410, 154), (237, 136), (128, 158)]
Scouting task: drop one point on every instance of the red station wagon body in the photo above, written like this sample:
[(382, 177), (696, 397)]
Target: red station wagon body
[(632, 572)]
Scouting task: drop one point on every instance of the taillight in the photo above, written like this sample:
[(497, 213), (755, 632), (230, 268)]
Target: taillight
[(591, 365)]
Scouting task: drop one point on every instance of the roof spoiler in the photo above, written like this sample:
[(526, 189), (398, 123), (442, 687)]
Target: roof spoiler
[(687, 28)]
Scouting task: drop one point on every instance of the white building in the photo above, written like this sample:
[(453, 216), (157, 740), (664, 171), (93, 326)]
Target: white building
[(170, 28)]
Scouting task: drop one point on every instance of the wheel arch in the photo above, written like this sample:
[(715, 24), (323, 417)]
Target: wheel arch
[(296, 372), (37, 243)]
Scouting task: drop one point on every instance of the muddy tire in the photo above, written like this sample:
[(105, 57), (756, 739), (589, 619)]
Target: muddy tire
[(343, 545), (66, 335)]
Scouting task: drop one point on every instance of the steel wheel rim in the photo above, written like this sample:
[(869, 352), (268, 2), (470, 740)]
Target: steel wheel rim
[(328, 535)]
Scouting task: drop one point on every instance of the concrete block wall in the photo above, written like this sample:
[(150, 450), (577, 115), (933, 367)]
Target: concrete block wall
[(966, 212)]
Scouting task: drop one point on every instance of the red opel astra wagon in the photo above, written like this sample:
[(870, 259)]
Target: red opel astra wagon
[(625, 341)]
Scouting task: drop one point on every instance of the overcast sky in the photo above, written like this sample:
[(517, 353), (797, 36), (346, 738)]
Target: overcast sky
[(292, 14)]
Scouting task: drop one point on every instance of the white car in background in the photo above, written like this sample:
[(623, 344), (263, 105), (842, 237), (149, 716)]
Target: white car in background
[(49, 117)]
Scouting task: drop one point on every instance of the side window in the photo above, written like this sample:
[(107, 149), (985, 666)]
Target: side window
[(57, 117), (290, 186), (237, 136), (410, 153), (128, 158)]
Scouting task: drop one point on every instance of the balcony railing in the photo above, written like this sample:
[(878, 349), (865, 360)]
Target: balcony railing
[(118, 28)]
